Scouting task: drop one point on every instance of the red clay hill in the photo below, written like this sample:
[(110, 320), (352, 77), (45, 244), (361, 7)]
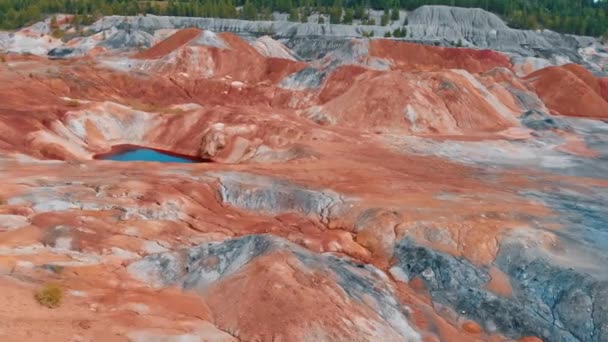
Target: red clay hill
[(571, 90), (175, 41)]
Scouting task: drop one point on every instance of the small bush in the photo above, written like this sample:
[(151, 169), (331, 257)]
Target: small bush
[(49, 295), (400, 32), (384, 19), (73, 103), (58, 33), (2, 59)]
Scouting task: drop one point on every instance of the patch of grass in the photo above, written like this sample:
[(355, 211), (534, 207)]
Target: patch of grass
[(73, 103), (152, 108), (58, 33), (49, 295)]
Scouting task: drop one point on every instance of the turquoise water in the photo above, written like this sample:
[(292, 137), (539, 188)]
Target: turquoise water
[(145, 154)]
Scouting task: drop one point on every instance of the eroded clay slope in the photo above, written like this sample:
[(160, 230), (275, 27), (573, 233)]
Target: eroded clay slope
[(387, 191)]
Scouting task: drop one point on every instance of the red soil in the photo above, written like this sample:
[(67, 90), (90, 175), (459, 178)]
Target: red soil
[(170, 44), (438, 102), (422, 57), (569, 93), (587, 77)]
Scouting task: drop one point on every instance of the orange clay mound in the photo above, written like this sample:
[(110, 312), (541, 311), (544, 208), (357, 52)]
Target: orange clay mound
[(587, 77), (567, 94), (422, 57), (170, 44), (437, 102)]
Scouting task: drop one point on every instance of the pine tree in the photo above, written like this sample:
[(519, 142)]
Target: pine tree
[(348, 16), (395, 14), (249, 12), (293, 15), (304, 16), (359, 12), (335, 15), (384, 19)]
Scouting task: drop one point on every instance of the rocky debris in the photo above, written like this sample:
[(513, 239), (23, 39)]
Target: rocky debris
[(375, 230), (567, 300), (121, 39), (527, 100), (316, 47), (222, 143), (307, 78), (546, 302), (62, 52), (21, 43), (274, 196), (541, 121), (269, 47), (582, 212), (596, 56)]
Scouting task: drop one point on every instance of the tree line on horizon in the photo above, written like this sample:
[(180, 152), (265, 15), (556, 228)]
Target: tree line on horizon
[(583, 17)]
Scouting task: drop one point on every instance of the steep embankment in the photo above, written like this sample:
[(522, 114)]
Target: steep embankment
[(177, 40), (409, 56), (569, 91)]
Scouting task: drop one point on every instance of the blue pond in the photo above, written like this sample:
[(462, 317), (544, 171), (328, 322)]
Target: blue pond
[(147, 155)]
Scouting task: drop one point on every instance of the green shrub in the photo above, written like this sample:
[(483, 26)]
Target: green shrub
[(49, 295)]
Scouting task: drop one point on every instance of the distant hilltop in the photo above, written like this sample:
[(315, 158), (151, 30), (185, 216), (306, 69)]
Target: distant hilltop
[(587, 17), (313, 38)]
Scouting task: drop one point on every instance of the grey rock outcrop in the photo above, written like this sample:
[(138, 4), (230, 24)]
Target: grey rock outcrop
[(549, 301), (128, 39), (306, 78), (278, 29), (486, 30), (428, 24), (541, 121), (272, 195)]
